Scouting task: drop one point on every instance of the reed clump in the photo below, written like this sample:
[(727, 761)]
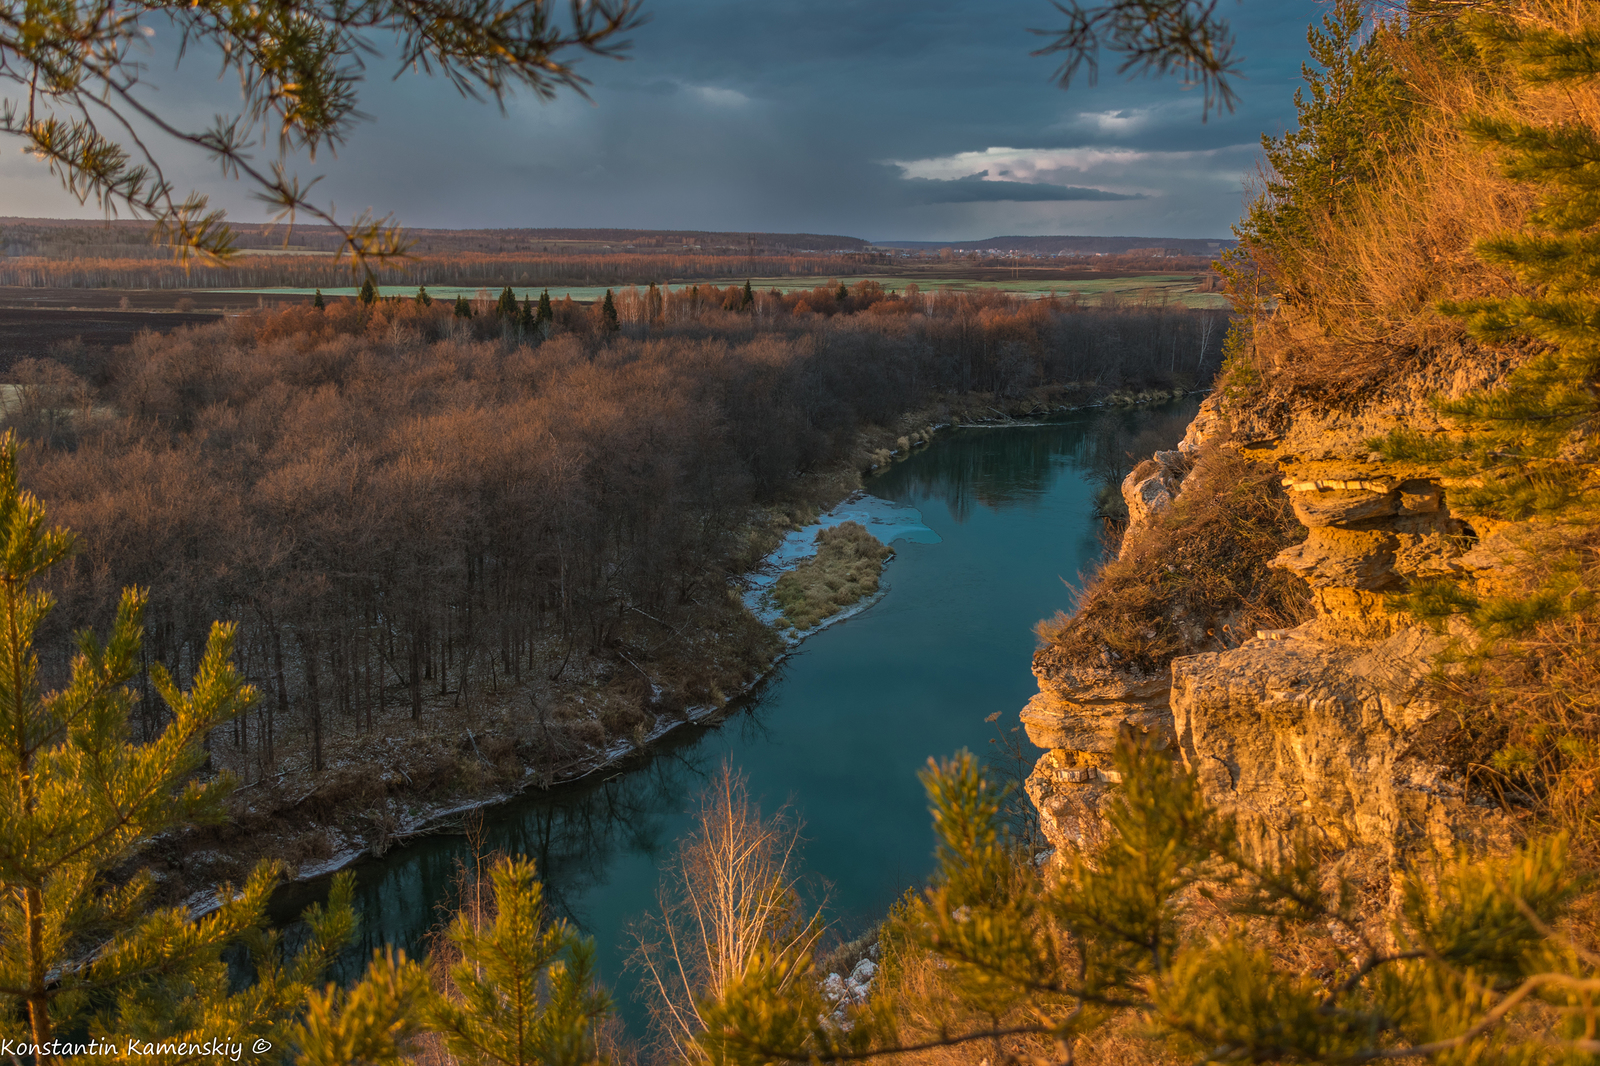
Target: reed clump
[(843, 572)]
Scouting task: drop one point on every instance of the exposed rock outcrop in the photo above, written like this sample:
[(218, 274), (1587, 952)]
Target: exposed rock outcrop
[(1322, 726), (1152, 485)]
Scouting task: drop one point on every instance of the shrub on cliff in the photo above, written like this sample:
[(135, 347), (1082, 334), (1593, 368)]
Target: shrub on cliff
[(1196, 579), (1369, 212)]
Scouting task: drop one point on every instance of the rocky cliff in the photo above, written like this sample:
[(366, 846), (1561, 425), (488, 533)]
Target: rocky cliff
[(1325, 726)]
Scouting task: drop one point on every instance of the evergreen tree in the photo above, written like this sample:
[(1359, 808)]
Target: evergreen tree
[(546, 313), (608, 314), (80, 797), (77, 946), (525, 320), (841, 296), (1012, 953), (463, 309), (1353, 119), (524, 992), (423, 299), (317, 301), (506, 307), (750, 296), (1531, 445), (369, 292)]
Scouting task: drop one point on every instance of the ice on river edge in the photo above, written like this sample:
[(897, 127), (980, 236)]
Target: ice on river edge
[(884, 519)]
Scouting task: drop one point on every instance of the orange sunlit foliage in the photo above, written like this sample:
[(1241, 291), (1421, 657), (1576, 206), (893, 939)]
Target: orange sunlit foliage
[(389, 498)]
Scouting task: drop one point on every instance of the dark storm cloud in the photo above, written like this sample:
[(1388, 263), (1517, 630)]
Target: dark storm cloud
[(845, 116), (975, 189)]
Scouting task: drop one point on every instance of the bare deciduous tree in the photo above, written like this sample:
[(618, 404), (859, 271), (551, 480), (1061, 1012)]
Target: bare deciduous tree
[(732, 894)]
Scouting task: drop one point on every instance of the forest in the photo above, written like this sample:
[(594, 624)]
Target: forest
[(418, 511)]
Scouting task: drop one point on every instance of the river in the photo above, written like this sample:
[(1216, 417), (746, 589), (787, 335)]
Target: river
[(839, 729)]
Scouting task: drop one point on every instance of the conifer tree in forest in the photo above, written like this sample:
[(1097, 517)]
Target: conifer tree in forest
[(842, 295), (525, 315), (463, 309), (608, 314), (546, 313), (369, 292), (524, 992), (506, 307), (318, 302), (422, 298), (749, 295)]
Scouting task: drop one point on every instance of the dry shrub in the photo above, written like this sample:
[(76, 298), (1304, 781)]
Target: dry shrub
[(733, 891), (1196, 579), (844, 570), (1524, 714)]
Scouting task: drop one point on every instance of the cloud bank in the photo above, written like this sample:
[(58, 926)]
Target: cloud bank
[(891, 120)]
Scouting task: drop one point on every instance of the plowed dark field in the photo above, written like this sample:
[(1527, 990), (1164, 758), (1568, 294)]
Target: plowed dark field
[(45, 323)]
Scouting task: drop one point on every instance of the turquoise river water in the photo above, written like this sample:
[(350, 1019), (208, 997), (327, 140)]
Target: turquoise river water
[(841, 728)]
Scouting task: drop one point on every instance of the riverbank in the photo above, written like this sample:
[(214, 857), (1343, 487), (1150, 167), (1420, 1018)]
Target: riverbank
[(486, 742)]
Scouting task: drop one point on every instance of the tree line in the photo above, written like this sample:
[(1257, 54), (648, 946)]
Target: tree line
[(160, 270)]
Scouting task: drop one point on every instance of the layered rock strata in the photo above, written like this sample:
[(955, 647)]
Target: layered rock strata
[(1322, 726)]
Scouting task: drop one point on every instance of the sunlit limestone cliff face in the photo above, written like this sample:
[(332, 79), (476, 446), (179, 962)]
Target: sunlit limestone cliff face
[(1327, 725)]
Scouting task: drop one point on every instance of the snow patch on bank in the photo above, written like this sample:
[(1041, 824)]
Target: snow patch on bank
[(888, 521), (884, 519)]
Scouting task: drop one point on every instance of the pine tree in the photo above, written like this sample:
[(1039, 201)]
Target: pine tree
[(525, 320), (81, 797), (608, 314), (842, 295), (750, 296), (546, 313), (1353, 119), (463, 309), (1012, 953), (369, 292), (524, 992), (77, 799), (506, 307), (317, 301), (1532, 444), (423, 299)]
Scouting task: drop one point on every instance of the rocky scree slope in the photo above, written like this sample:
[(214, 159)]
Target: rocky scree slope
[(1323, 726)]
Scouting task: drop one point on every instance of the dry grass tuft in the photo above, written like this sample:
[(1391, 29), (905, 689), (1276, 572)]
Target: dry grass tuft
[(1523, 715), (1355, 300), (844, 571), (1195, 580)]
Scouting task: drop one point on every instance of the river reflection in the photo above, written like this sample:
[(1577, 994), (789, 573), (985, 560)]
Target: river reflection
[(841, 729)]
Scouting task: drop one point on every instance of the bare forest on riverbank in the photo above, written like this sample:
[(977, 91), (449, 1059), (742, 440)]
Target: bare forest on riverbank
[(462, 550)]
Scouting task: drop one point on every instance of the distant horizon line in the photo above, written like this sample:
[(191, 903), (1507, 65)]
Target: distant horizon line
[(888, 243)]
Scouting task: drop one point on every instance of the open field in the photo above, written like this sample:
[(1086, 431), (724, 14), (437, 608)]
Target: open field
[(45, 323), (1088, 286)]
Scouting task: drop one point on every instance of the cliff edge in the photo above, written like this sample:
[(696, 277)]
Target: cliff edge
[(1326, 725)]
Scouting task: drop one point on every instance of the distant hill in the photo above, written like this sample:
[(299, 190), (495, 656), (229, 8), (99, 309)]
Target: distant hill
[(1073, 245), (25, 236)]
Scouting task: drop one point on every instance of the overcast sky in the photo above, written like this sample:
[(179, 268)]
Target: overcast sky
[(882, 119)]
